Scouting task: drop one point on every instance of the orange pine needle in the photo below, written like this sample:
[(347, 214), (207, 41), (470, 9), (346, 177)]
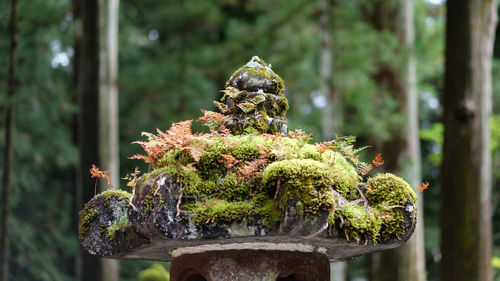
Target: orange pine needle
[(423, 186), (378, 161), (96, 173)]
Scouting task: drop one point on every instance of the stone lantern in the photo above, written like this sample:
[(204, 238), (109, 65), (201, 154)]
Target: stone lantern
[(249, 200)]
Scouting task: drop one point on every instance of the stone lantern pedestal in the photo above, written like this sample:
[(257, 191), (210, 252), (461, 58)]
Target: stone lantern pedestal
[(251, 265)]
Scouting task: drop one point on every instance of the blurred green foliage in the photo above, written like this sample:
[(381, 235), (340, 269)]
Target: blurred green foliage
[(174, 57), (156, 272)]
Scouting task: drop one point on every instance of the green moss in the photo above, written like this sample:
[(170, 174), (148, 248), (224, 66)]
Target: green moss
[(148, 203), (221, 211), (285, 149), (188, 177), (390, 190), (305, 180), (346, 178), (308, 151), (304, 176), (254, 126), (112, 194), (377, 223), (246, 149), (87, 215), (359, 224), (175, 158), (268, 74), (211, 165), (232, 189), (119, 225), (270, 213), (392, 222)]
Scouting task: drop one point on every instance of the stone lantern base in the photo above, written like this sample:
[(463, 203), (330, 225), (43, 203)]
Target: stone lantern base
[(250, 265)]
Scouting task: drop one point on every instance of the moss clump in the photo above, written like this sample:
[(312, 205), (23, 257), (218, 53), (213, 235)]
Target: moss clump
[(360, 224), (211, 165), (346, 175), (304, 180), (246, 150), (111, 194), (390, 190), (232, 189), (188, 177), (221, 211), (387, 195), (175, 157), (392, 221)]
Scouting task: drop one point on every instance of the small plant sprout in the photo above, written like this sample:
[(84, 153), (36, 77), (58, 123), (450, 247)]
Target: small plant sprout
[(96, 173)]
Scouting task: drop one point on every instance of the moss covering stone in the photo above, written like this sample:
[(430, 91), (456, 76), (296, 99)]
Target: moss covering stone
[(284, 169), (304, 180), (258, 169), (87, 215)]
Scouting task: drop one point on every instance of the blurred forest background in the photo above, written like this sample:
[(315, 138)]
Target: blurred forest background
[(343, 63)]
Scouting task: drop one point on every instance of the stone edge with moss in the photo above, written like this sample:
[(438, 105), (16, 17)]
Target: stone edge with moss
[(104, 225), (307, 178)]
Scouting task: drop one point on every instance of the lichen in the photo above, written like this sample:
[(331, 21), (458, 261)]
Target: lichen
[(119, 225), (87, 215)]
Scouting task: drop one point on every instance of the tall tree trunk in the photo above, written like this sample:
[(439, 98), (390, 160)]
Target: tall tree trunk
[(8, 150), (402, 152), (466, 240), (332, 115), (108, 107), (77, 191), (88, 96)]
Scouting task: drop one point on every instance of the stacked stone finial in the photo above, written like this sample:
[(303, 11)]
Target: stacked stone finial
[(254, 98)]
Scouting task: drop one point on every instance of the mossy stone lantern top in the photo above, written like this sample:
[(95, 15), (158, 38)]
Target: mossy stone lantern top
[(254, 98), (249, 184)]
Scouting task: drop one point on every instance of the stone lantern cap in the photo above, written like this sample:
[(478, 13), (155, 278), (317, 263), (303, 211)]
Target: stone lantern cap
[(248, 183)]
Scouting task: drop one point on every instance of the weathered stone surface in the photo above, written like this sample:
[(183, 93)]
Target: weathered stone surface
[(249, 186), (251, 265), (159, 233), (104, 226), (255, 100)]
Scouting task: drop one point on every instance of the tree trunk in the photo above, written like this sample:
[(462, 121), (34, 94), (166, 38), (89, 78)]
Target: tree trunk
[(88, 89), (77, 191), (332, 114), (402, 152), (108, 108), (466, 240), (8, 150)]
